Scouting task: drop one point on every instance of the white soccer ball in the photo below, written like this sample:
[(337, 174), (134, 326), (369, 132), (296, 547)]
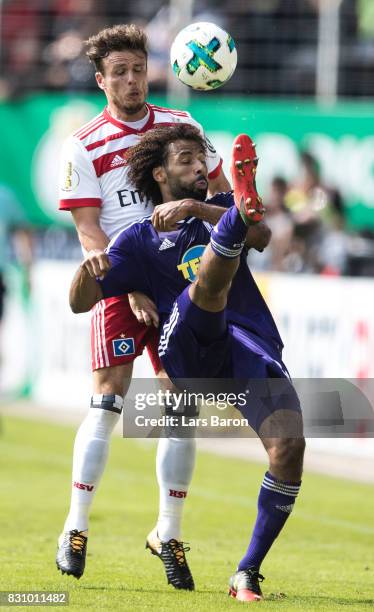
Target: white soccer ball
[(203, 56)]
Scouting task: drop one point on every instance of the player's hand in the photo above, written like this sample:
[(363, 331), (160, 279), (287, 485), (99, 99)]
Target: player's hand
[(166, 216), (144, 309), (96, 263)]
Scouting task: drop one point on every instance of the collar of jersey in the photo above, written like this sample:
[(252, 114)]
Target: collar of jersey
[(125, 127)]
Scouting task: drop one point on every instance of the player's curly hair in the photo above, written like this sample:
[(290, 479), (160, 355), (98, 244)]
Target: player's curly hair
[(152, 151), (123, 37)]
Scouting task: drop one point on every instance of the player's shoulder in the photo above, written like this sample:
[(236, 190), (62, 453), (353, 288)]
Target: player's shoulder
[(133, 232), (91, 126), (170, 116), (173, 112)]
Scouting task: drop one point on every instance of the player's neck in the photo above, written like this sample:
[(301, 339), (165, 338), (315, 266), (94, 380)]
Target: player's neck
[(123, 115)]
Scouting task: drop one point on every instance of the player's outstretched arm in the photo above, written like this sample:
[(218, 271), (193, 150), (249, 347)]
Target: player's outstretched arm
[(84, 289)]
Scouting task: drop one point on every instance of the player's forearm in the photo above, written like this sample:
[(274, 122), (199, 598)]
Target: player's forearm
[(84, 292), (87, 223), (92, 237), (207, 212)]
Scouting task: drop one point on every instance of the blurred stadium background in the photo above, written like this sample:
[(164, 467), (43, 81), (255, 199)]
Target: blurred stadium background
[(304, 88)]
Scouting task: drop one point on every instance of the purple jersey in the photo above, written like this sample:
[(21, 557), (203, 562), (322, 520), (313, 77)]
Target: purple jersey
[(162, 265)]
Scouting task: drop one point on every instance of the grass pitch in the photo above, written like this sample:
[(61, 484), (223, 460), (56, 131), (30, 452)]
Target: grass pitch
[(323, 560)]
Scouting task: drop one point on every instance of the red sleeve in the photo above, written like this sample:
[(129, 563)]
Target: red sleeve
[(214, 173), (79, 203)]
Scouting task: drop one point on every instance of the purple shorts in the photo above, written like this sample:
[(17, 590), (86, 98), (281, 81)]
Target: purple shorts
[(196, 344)]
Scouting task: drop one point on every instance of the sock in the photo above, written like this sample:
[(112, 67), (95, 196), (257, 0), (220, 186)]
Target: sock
[(175, 462), (90, 455), (228, 236), (275, 503)]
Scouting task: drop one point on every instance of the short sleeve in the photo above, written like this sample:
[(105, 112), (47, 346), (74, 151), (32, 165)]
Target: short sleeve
[(125, 273), (78, 183)]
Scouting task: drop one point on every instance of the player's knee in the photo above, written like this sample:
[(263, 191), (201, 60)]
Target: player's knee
[(113, 380), (108, 386), (287, 453), (210, 291)]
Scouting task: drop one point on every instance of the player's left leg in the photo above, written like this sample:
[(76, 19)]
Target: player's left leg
[(282, 436)]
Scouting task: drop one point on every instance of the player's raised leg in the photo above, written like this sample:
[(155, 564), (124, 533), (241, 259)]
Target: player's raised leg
[(209, 292), (220, 260)]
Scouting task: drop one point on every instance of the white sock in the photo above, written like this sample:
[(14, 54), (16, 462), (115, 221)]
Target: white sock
[(175, 462), (91, 450)]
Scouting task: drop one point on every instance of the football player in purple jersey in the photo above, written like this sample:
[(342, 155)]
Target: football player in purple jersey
[(214, 322)]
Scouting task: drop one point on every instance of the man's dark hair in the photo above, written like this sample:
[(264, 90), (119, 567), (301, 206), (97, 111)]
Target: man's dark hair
[(152, 151), (123, 37)]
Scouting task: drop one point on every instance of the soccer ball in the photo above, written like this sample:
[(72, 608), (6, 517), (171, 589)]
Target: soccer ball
[(203, 56)]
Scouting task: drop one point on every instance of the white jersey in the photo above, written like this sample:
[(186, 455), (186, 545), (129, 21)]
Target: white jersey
[(94, 173)]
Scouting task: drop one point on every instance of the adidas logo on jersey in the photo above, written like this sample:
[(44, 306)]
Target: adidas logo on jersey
[(166, 244), (117, 161)]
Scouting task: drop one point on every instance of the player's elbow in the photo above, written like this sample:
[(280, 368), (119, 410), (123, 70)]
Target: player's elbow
[(78, 304), (76, 307), (84, 291)]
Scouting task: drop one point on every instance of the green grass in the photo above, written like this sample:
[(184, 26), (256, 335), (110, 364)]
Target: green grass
[(323, 560)]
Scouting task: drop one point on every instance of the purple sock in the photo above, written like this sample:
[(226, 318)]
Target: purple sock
[(275, 503), (228, 236)]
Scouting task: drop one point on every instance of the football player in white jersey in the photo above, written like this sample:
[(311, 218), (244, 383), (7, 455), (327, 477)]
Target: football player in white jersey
[(95, 189)]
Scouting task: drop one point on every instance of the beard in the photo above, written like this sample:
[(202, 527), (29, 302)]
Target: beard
[(129, 107), (182, 192), (133, 109)]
